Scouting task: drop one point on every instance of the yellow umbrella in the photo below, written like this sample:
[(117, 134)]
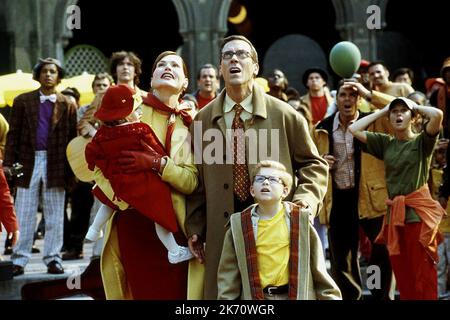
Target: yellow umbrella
[(83, 83), (13, 84), (263, 83)]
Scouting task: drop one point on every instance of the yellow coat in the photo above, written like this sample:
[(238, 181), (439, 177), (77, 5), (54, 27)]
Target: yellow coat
[(436, 175), (4, 128), (181, 174)]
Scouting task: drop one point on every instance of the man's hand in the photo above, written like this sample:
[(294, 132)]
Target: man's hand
[(304, 206), (442, 144), (357, 86), (196, 246), (139, 161), (13, 237), (330, 159)]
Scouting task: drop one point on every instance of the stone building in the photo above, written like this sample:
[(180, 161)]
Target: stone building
[(291, 35)]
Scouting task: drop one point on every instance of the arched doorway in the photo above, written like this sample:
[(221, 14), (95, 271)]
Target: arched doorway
[(423, 30)]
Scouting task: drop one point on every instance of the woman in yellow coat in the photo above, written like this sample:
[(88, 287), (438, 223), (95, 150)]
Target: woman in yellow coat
[(134, 262)]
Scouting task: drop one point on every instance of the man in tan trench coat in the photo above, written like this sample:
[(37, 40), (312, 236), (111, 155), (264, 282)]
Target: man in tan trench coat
[(273, 130)]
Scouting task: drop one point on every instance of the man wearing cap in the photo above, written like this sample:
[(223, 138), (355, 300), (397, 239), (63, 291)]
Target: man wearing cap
[(41, 125), (356, 193), (318, 97)]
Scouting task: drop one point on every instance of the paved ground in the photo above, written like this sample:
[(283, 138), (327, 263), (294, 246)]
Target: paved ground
[(35, 270)]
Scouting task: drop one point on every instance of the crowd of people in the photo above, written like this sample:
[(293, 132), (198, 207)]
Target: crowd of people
[(356, 175)]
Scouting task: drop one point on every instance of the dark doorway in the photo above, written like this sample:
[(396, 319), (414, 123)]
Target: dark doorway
[(424, 25), (132, 25)]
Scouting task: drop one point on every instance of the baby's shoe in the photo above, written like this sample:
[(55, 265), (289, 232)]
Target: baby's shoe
[(183, 254), (93, 235)]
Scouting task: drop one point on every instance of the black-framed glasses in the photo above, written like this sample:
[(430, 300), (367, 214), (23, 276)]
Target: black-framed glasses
[(241, 54), (272, 180)]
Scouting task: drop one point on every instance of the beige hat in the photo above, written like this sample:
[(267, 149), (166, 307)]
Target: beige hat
[(77, 159)]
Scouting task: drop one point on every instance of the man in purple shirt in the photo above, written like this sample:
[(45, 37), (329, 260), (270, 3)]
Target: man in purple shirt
[(42, 123)]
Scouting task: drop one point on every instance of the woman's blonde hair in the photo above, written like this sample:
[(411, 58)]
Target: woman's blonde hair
[(284, 175)]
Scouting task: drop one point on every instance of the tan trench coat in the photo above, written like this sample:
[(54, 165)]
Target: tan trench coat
[(210, 207)]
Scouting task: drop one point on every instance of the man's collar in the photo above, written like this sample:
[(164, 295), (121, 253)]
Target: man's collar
[(246, 103), (258, 103), (337, 120)]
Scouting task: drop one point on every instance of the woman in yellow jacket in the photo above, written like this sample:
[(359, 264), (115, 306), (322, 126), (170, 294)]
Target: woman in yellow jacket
[(134, 262)]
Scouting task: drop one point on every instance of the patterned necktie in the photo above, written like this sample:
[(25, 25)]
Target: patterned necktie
[(241, 178)]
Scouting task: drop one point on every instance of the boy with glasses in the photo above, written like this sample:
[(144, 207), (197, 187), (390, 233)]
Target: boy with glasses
[(271, 250)]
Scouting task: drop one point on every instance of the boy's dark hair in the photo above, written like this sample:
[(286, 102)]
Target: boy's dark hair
[(73, 92), (118, 57), (402, 71), (292, 94)]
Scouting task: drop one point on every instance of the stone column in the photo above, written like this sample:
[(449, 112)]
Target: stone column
[(352, 22), (37, 29), (203, 23)]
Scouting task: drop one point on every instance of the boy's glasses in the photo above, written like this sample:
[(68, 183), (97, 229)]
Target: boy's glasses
[(272, 179), (241, 54)]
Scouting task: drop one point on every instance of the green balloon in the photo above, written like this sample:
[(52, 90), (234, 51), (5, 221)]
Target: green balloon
[(345, 59)]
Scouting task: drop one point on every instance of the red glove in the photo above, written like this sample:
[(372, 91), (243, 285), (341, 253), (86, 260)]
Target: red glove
[(138, 161)]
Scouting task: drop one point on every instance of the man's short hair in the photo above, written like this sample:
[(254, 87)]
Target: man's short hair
[(292, 93), (402, 71), (253, 52), (380, 62), (207, 66), (119, 56), (73, 92), (101, 76), (285, 176)]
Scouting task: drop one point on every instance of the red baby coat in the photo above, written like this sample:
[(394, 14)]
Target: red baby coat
[(144, 191)]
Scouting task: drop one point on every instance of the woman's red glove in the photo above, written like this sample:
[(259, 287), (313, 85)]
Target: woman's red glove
[(138, 161)]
